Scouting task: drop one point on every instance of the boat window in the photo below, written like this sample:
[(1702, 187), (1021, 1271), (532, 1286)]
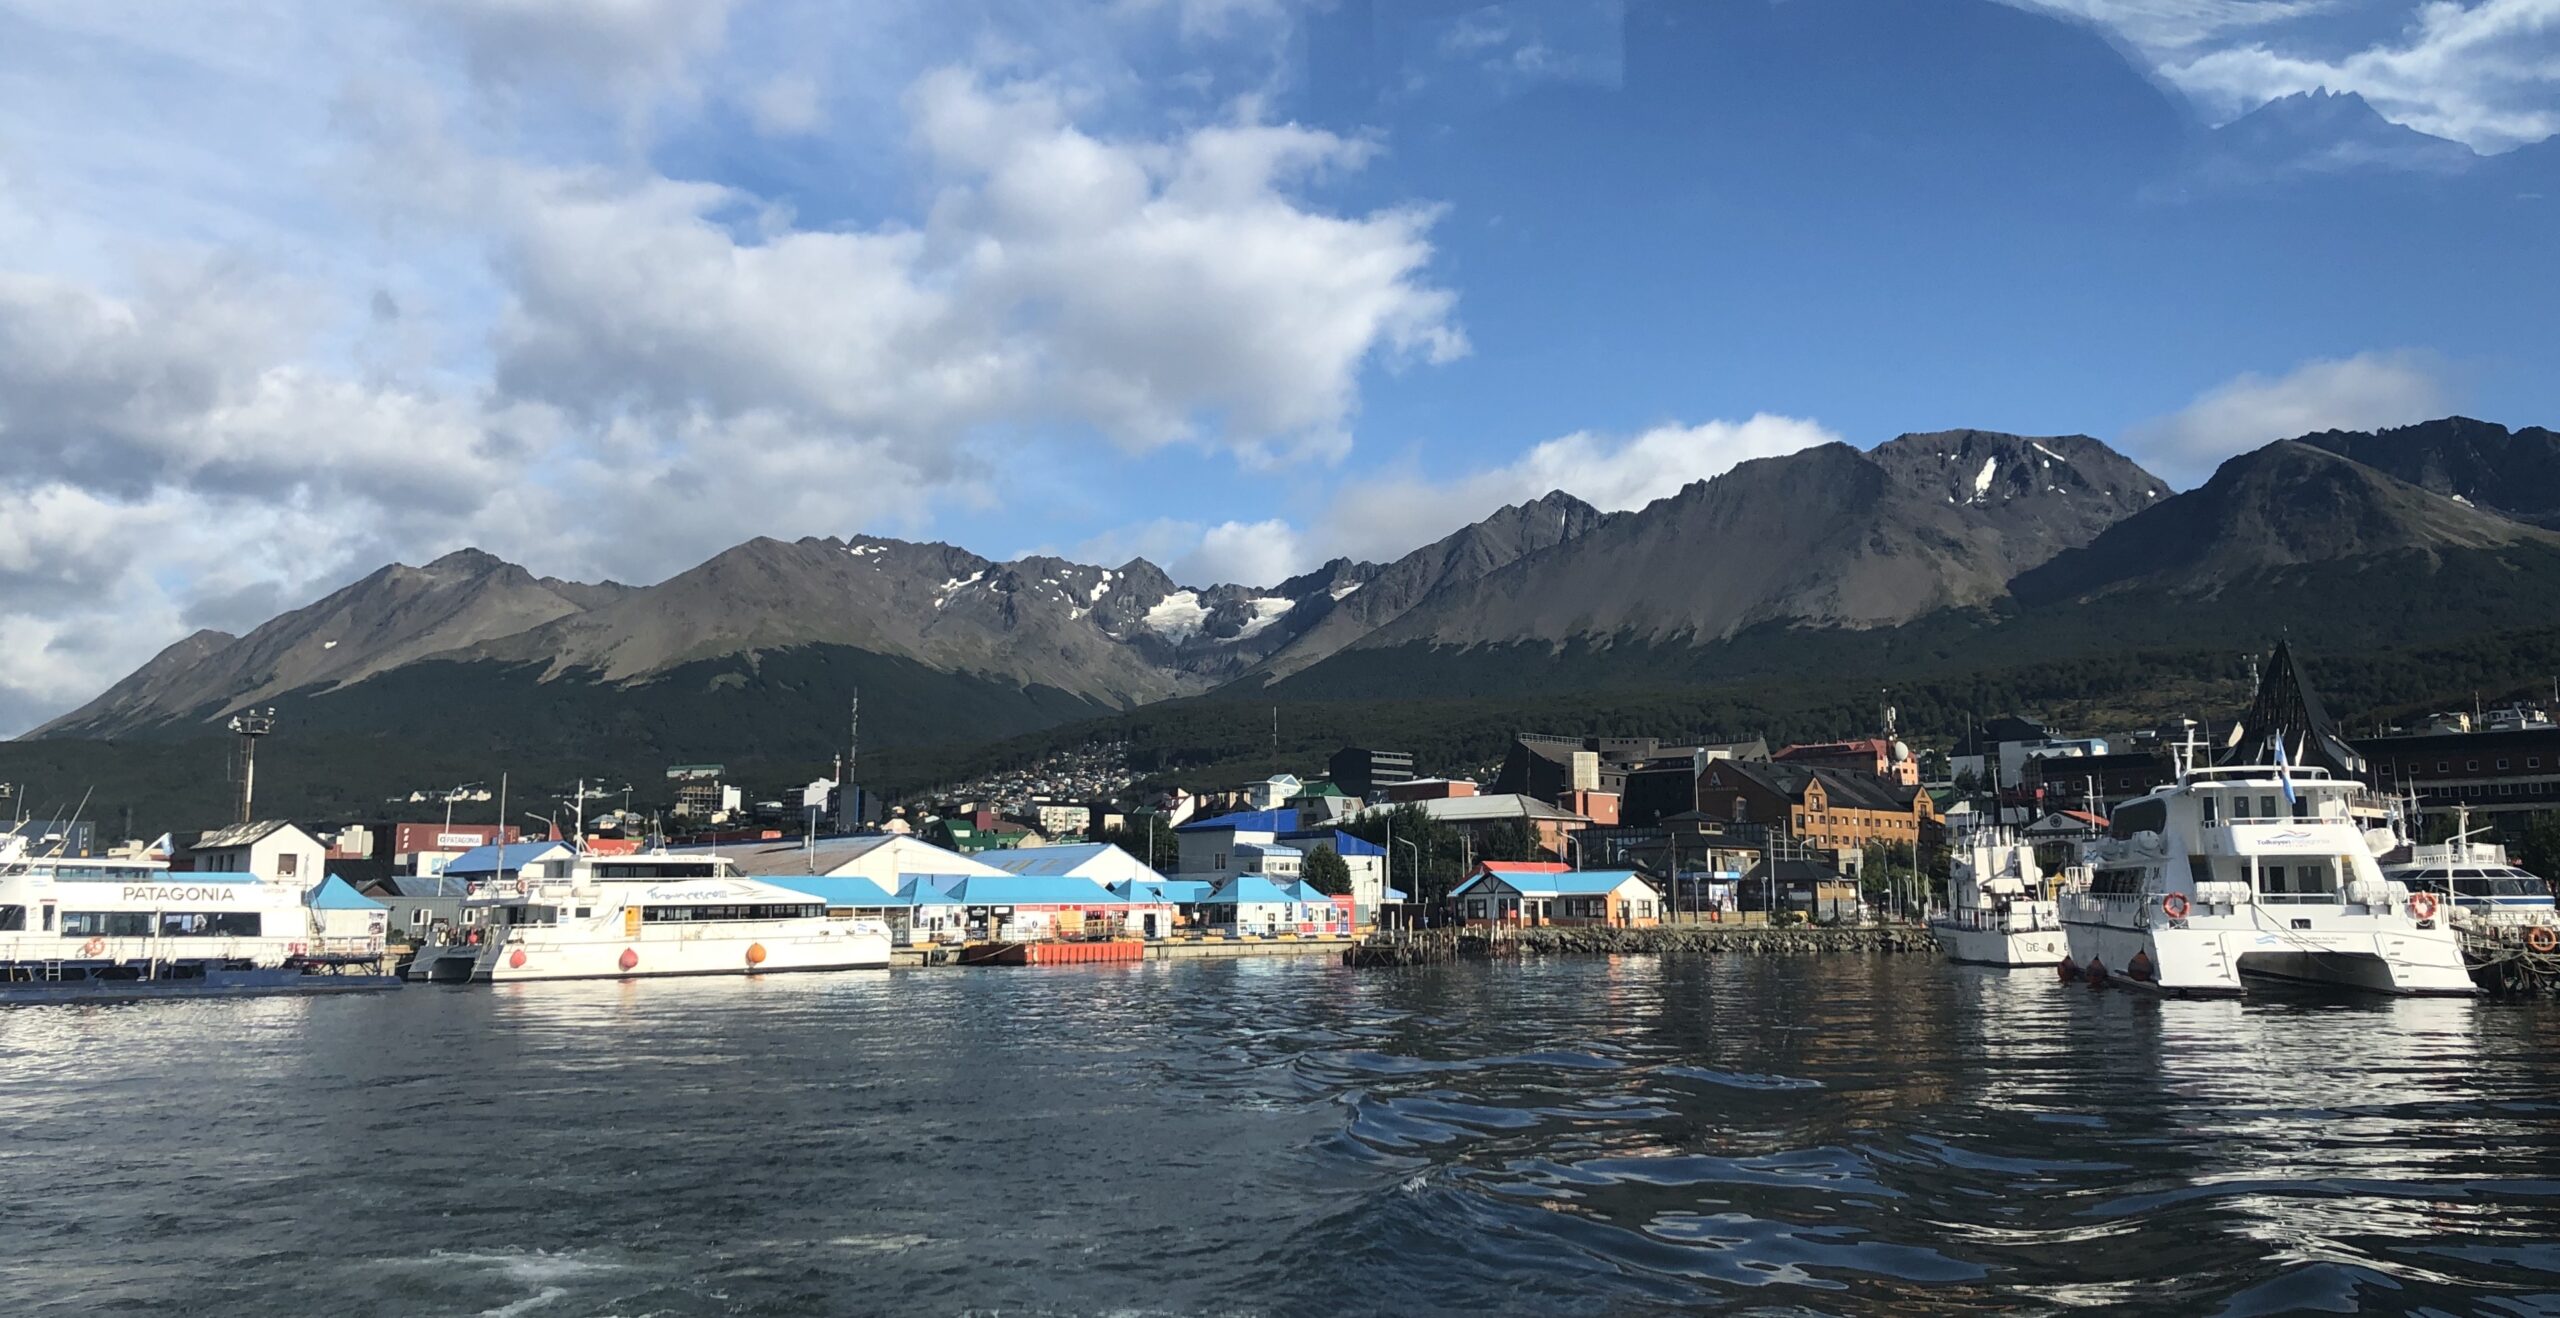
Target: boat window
[(13, 919), (2139, 817), (107, 924), (751, 911), (2211, 806), (2267, 807), (2299, 880), (48, 917), (209, 924)]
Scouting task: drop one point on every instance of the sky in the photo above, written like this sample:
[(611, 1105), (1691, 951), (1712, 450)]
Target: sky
[(290, 291)]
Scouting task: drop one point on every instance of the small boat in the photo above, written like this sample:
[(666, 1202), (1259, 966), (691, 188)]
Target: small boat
[(1998, 914), (649, 915), (80, 929)]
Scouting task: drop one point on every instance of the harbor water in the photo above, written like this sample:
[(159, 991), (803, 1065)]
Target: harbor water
[(1579, 1135)]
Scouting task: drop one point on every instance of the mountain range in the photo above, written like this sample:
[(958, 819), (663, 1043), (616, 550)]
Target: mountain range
[(1831, 563)]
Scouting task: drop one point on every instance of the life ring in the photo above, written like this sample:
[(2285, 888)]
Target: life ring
[(93, 947), (2422, 906), (2175, 906), (2543, 939)]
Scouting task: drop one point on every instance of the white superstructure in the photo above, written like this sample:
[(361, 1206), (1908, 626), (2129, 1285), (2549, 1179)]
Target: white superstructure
[(628, 917), (1999, 914), (2253, 871)]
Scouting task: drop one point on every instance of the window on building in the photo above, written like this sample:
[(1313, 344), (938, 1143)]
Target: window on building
[(2502, 763), (2471, 766), (2442, 765), (288, 866)]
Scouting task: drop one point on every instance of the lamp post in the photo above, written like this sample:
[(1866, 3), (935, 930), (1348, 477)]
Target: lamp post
[(1411, 850)]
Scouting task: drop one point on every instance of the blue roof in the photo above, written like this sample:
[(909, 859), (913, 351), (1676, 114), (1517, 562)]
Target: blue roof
[(1033, 890), (832, 890), (336, 894), (1343, 844), (1247, 821), (1570, 883), (494, 859), (1250, 888), (1046, 860), (1303, 891)]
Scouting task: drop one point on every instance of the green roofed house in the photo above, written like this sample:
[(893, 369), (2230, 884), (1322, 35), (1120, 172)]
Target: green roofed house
[(1321, 802)]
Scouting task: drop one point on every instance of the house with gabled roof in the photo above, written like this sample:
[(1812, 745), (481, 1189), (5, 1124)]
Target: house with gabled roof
[(1535, 894)]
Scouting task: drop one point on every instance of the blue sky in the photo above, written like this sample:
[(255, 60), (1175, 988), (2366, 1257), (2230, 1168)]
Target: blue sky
[(604, 286)]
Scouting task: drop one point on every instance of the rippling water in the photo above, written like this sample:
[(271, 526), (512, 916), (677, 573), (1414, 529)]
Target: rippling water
[(1584, 1136)]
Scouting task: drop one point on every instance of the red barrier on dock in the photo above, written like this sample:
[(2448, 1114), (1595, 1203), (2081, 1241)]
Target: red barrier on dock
[(1070, 954)]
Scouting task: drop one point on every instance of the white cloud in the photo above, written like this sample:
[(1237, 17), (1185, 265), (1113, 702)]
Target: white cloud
[(1387, 517), (625, 49), (2486, 74), (2363, 392), (2168, 26), (1243, 553), (786, 106), (474, 318)]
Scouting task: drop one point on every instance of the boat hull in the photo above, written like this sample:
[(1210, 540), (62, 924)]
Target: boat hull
[(1999, 947), (534, 955), (2220, 959), (268, 982)]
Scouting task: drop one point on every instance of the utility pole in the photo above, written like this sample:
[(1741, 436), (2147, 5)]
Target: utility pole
[(846, 814), (250, 725)]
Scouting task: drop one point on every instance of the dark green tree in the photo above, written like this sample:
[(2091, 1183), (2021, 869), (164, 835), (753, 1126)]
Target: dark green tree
[(1327, 872), (1160, 851), (1511, 840), (2539, 849), (1425, 857)]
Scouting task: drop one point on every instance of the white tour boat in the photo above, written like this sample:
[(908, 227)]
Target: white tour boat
[(2000, 915), (2253, 870), (82, 927), (2478, 883), (644, 915)]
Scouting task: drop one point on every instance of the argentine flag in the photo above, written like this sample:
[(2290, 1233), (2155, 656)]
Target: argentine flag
[(2282, 775)]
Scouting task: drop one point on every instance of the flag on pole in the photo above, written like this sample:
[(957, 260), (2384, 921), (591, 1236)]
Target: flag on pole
[(2284, 775)]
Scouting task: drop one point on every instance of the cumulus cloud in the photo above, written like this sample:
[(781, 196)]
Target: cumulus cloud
[(2355, 393), (263, 409), (1382, 519), (2485, 73), (1245, 553), (626, 49)]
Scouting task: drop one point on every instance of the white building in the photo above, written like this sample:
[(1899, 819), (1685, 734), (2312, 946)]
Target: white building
[(272, 849), (1208, 847), (1099, 861)]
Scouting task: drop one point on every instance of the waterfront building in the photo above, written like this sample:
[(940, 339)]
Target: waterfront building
[(272, 849), (1825, 807), (1366, 773), (1532, 894), (2501, 776), (1207, 848), (1100, 862), (1249, 905), (1877, 757), (1366, 860)]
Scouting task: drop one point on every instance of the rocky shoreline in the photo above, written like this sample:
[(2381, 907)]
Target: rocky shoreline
[(1431, 947)]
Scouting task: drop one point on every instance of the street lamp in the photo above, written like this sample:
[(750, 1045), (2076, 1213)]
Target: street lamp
[(1416, 879)]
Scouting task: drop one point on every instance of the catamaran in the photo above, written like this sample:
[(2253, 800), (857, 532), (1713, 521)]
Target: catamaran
[(2259, 866), (1999, 914), (85, 928), (646, 915), (2249, 871)]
